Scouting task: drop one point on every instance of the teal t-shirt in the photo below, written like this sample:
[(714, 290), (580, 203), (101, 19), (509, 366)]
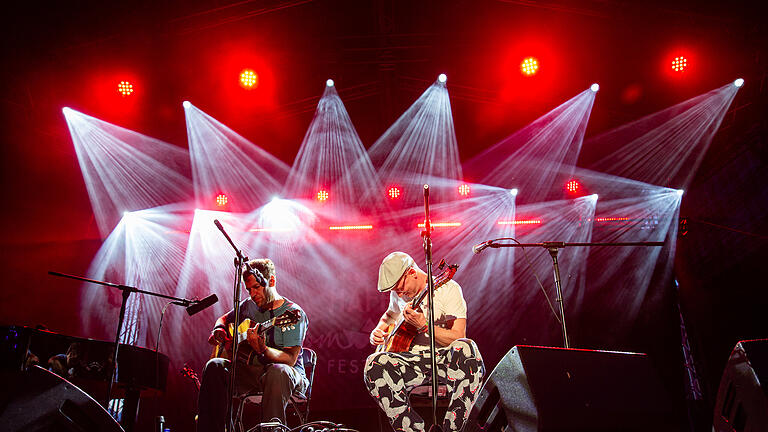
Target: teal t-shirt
[(276, 337)]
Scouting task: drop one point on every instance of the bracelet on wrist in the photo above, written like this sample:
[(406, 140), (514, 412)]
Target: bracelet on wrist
[(219, 326), (423, 329)]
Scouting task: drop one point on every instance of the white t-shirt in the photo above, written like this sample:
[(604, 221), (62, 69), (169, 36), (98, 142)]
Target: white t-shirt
[(449, 305)]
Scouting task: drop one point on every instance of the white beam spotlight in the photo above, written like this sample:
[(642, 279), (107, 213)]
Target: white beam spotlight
[(739, 82), (333, 158), (665, 148), (125, 170), (421, 143), (594, 196), (186, 104), (595, 87), (225, 162), (680, 192), (513, 192), (442, 78), (546, 149)]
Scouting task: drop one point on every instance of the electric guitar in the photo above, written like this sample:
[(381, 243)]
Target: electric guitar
[(245, 353), (188, 372), (400, 335)]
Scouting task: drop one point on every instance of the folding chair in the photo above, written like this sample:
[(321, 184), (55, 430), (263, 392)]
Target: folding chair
[(298, 403)]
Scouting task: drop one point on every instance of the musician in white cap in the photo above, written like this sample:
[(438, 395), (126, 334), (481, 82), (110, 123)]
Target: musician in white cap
[(404, 363)]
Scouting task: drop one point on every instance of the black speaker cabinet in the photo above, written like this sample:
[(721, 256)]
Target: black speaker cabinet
[(741, 403), (40, 401), (556, 389)]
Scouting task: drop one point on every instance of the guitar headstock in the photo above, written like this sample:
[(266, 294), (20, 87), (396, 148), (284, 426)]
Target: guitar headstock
[(188, 372), (446, 274), (451, 270), (288, 319)]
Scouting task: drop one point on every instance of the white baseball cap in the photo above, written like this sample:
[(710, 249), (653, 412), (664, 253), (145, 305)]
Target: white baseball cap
[(392, 269)]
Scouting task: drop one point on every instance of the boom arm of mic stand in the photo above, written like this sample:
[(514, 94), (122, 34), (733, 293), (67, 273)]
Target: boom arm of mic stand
[(126, 292), (553, 248)]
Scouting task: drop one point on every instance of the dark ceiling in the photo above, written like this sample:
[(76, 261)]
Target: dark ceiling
[(382, 55)]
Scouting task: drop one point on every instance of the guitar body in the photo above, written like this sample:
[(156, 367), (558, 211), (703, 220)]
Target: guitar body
[(245, 353), (401, 339)]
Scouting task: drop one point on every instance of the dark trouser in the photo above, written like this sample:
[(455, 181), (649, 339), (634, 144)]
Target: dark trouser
[(277, 381), (391, 376)]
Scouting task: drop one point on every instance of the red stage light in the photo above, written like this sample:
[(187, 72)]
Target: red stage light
[(679, 64), (221, 200), (573, 186), (249, 79), (464, 189), (125, 88), (322, 195), (394, 192), (529, 66)]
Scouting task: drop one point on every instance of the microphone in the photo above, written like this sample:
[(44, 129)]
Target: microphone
[(218, 225), (199, 305), (481, 247)]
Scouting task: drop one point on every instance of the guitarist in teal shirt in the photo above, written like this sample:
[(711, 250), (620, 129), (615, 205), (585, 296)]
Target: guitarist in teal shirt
[(269, 358)]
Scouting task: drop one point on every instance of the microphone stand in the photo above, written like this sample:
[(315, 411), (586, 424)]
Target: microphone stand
[(129, 408), (240, 261), (553, 249), (427, 234)]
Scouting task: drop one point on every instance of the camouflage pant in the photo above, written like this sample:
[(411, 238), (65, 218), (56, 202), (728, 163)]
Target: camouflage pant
[(391, 376)]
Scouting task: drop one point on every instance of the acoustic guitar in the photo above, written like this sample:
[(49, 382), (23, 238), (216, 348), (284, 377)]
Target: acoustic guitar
[(245, 353), (400, 335)]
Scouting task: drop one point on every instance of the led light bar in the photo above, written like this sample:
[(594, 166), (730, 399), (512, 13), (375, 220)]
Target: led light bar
[(442, 224), (520, 222), (350, 227)]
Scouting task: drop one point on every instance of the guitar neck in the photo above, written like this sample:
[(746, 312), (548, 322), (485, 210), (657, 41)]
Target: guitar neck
[(437, 282), (420, 298), (263, 327)]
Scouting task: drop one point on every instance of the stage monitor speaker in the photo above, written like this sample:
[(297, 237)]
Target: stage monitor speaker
[(742, 398), (40, 401), (557, 389)]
